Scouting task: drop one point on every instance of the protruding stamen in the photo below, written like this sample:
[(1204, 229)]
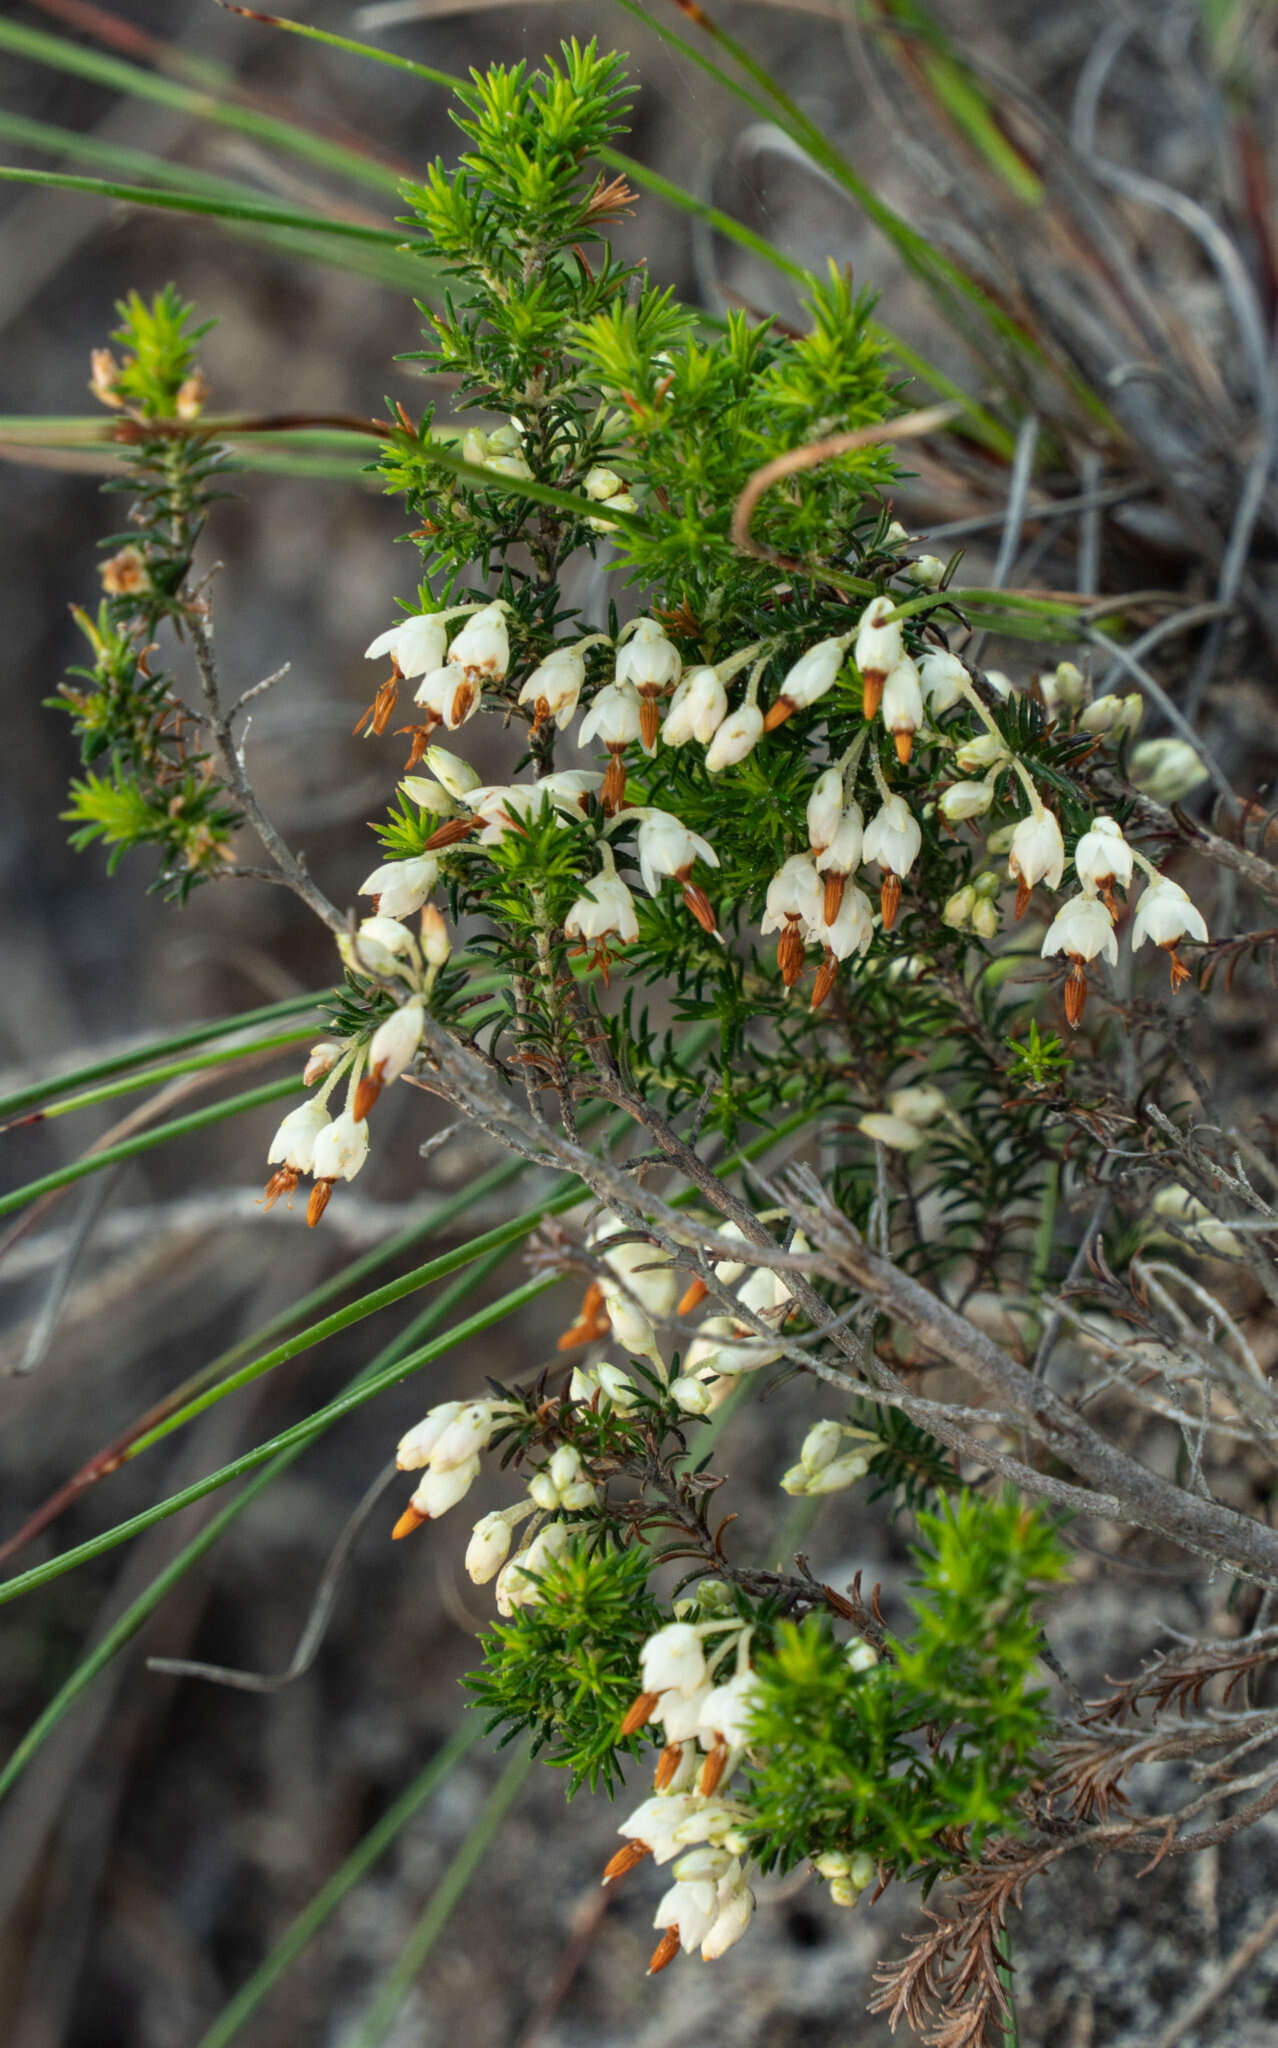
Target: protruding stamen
[(448, 834), (1075, 994), (368, 1091), (777, 713), (613, 793), (624, 1860), (791, 952), (890, 900), (827, 975), (412, 1518), (873, 680), (318, 1202), (667, 1765), (700, 906), (665, 1951), (649, 720), (835, 884), (693, 1296), (904, 743), (1023, 894), (639, 1712), (712, 1769)]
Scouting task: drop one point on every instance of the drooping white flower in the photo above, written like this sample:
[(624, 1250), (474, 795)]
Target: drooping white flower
[(1037, 855), (893, 839), (416, 1445), (678, 1711), (737, 736), (665, 846), (457, 776), (851, 929), (554, 686), (440, 1490), (647, 1271), (1166, 915), (736, 1907), (649, 659), (340, 1149), (986, 750), (697, 708), (965, 800), (604, 910), (794, 905), (673, 1656), (902, 705), (450, 694), (688, 1912), (517, 1580), (656, 1821), (489, 1546), (944, 679), (1083, 929), (1103, 857), (380, 944), (293, 1145), (1166, 769), (390, 1049), (415, 644), (615, 717), (611, 1382), (631, 1326), (806, 681), (469, 1432), (482, 648), (825, 810), (877, 649), (401, 886), (841, 857), (728, 1710)]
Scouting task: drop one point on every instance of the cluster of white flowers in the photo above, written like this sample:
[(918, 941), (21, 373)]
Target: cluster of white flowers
[(446, 1448), (825, 1466), (1084, 928), (705, 1719)]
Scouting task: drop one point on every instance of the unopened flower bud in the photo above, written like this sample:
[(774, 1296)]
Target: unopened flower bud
[(436, 944), (1166, 770), (928, 571), (964, 800), (321, 1060)]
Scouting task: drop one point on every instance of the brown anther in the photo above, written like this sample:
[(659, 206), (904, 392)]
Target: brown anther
[(835, 884), (889, 900), (872, 681), (449, 834), (463, 698), (667, 1765), (378, 715), (904, 744), (700, 906), (1179, 971), (665, 1951), (624, 1860), (318, 1202), (693, 1296), (640, 1712), (418, 743), (791, 952), (827, 975), (541, 713), (1075, 993), (412, 1518), (649, 720), (777, 713), (1024, 890), (613, 793), (713, 1768), (366, 1094), (592, 1322), (280, 1183)]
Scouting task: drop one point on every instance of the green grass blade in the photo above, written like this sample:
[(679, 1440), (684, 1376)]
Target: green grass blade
[(502, 1238), (156, 1048), (198, 1063), (213, 209), (146, 1141), (118, 76), (385, 2007), (140, 1610), (303, 1930), (300, 1433)]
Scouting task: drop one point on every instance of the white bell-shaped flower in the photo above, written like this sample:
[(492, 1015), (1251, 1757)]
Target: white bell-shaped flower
[(1166, 915), (340, 1149), (1037, 855), (893, 839), (648, 660), (795, 892), (554, 686), (604, 910), (738, 736), (877, 649), (482, 648), (415, 644), (665, 846), (964, 800), (451, 695), (807, 680), (646, 1270), (673, 1657), (697, 708), (944, 679), (902, 705), (401, 886), (688, 1911), (489, 1547), (736, 1908), (440, 1490), (293, 1145), (1083, 930), (825, 811), (1103, 857), (728, 1710)]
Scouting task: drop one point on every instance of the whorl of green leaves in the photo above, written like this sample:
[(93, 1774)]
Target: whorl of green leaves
[(934, 1742)]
